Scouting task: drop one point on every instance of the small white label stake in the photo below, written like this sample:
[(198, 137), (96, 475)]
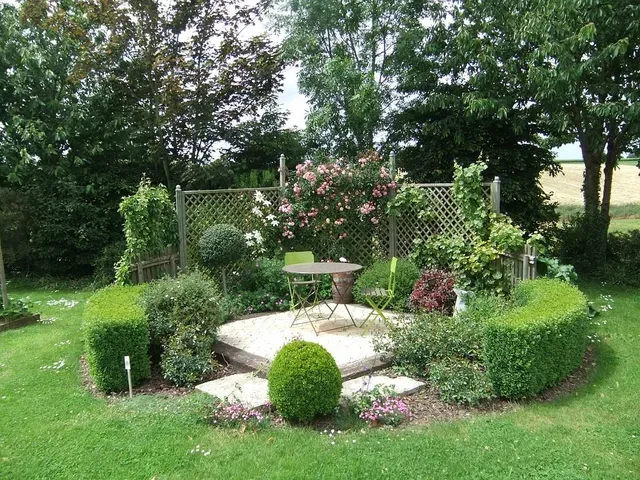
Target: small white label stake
[(127, 367)]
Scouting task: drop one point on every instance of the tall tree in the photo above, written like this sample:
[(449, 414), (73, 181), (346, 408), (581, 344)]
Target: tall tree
[(344, 49), (432, 126), (573, 63), (96, 93)]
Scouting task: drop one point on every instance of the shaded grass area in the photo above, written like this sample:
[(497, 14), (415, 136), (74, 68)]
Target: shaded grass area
[(50, 427)]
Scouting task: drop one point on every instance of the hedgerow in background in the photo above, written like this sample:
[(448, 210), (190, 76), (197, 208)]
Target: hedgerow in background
[(377, 276), (150, 225), (184, 316), (304, 381), (540, 341), (623, 258), (474, 259), (114, 327)]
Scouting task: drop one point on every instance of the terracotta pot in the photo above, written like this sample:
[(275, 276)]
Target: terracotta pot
[(342, 287)]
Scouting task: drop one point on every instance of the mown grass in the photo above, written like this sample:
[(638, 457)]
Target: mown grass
[(51, 427), (624, 217)]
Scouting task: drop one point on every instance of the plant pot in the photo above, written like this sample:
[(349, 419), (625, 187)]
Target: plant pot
[(342, 287)]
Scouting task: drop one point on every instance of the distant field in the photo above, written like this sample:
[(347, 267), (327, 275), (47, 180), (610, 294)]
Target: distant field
[(566, 187), (624, 224)]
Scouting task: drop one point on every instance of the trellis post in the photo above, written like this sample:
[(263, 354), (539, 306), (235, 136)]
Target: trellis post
[(495, 195), (182, 236), (283, 171), (3, 281), (393, 227)]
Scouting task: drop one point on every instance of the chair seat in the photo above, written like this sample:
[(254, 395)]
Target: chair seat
[(375, 292)]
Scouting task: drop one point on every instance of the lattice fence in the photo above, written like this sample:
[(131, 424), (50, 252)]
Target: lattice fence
[(198, 210)]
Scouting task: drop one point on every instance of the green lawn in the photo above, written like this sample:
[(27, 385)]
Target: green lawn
[(624, 217), (50, 427)]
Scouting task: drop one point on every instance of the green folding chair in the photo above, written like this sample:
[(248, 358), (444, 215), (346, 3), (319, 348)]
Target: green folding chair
[(379, 298), (304, 293)]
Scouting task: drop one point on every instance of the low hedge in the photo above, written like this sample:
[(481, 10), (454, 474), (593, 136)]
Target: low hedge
[(115, 326), (539, 342)]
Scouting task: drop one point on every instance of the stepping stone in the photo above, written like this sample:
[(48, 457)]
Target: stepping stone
[(244, 388), (402, 385)]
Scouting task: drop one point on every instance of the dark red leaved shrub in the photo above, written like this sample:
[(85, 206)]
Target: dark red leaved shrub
[(433, 293)]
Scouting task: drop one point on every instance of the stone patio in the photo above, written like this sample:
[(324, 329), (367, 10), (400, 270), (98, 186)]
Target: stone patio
[(253, 342), (252, 391)]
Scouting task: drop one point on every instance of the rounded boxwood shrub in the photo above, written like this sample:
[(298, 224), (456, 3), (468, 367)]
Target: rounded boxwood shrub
[(377, 276), (222, 244), (539, 342), (304, 381)]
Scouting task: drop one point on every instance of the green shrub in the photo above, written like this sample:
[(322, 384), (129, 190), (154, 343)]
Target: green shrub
[(377, 276), (222, 244), (183, 316), (580, 244), (115, 326), (304, 381), (416, 342), (539, 342), (446, 349), (623, 258), (461, 381)]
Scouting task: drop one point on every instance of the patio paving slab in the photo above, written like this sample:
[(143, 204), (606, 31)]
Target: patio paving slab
[(253, 392), (244, 388), (253, 342), (401, 385)]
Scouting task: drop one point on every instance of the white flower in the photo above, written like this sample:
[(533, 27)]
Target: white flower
[(343, 260), (271, 216), (257, 212), (275, 223), (258, 196)]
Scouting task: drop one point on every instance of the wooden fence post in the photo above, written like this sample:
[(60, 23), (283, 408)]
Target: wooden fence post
[(495, 195), (182, 233), (3, 281), (283, 171), (393, 226)]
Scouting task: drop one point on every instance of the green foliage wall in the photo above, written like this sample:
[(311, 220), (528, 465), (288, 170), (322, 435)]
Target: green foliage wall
[(538, 343)]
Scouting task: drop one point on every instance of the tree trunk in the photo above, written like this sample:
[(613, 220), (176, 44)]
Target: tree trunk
[(591, 183)]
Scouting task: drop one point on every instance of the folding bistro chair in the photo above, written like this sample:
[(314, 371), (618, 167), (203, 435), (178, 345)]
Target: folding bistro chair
[(379, 298), (304, 293)]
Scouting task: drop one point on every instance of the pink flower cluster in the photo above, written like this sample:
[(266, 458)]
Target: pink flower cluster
[(388, 411), (344, 192), (234, 414)]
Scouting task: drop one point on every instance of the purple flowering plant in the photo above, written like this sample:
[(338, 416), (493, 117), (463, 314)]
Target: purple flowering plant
[(380, 406)]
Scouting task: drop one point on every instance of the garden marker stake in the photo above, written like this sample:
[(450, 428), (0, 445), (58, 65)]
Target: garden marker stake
[(127, 367)]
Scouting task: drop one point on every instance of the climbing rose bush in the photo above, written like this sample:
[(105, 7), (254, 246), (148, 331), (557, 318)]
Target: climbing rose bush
[(324, 201)]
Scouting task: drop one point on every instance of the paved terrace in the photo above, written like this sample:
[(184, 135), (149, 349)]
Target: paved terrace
[(253, 342)]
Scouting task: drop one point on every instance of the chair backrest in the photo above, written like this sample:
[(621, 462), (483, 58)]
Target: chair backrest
[(392, 276), (291, 258)]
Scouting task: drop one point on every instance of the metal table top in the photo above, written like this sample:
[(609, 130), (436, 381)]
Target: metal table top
[(319, 268)]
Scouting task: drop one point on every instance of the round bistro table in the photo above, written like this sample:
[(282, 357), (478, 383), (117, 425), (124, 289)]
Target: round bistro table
[(325, 268)]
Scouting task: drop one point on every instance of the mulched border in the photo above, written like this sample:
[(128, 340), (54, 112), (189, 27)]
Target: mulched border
[(156, 385), (425, 405), (19, 321)]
